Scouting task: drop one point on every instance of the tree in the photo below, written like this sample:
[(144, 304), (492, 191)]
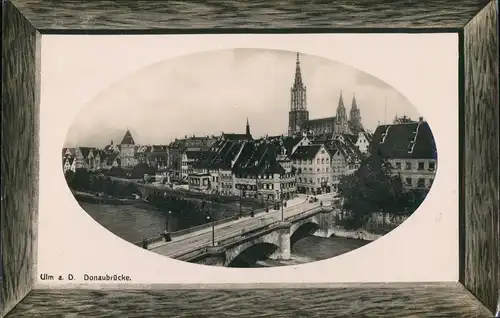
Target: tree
[(372, 188), (117, 172), (413, 199), (69, 175), (81, 179), (142, 169), (95, 184)]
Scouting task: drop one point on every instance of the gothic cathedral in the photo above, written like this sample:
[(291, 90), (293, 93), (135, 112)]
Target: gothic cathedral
[(299, 122)]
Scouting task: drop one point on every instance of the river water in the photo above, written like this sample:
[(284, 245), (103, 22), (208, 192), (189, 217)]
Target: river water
[(132, 224)]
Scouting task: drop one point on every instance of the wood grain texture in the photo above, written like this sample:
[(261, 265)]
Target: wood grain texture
[(398, 300), (19, 155), (162, 14), (481, 157)]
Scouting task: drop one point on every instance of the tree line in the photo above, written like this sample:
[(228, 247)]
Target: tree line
[(374, 188)]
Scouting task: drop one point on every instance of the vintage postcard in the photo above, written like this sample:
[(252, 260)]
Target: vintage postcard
[(308, 158)]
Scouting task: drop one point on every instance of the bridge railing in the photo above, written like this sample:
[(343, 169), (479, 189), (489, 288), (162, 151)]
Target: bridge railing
[(204, 226), (236, 237), (304, 213), (222, 243)]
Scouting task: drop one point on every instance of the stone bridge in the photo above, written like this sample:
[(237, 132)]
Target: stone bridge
[(272, 241)]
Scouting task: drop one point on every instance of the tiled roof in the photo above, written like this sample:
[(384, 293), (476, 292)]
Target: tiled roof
[(306, 152), (226, 136), (368, 136), (352, 138), (109, 148), (110, 158), (85, 151), (196, 154), (127, 139), (290, 142), (158, 148), (225, 152), (204, 160), (69, 160), (258, 157), (408, 140), (346, 148), (321, 138)]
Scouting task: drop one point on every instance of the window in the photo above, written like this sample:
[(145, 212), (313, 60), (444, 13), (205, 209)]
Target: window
[(432, 165), (421, 183), (398, 165), (300, 179), (317, 170), (322, 160), (408, 166), (408, 181), (326, 160), (421, 166), (326, 169), (319, 180), (317, 161)]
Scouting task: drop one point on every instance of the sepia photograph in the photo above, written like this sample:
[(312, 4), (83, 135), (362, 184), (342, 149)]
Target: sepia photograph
[(249, 157)]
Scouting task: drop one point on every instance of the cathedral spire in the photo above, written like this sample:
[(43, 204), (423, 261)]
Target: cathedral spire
[(341, 100), (298, 74), (248, 128), (354, 104)]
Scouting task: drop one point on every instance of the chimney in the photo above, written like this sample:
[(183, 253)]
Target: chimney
[(420, 119), (111, 142)]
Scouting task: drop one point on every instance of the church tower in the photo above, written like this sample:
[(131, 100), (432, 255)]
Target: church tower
[(298, 115), (355, 116), (247, 131), (341, 125)]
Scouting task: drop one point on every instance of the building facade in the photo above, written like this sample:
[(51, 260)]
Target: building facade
[(263, 171), (313, 169), (410, 149), (127, 151)]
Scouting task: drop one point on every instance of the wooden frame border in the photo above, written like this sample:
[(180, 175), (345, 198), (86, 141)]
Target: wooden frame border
[(476, 22)]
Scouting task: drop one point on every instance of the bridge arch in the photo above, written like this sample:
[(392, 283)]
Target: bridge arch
[(252, 254), (253, 250), (302, 230)]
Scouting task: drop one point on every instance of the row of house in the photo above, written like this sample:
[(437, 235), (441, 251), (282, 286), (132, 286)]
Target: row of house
[(126, 154), (274, 166), (277, 166)]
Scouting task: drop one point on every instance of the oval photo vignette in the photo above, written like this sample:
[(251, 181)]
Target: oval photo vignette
[(249, 158)]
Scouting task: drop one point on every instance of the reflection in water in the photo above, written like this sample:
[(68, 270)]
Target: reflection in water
[(310, 249)]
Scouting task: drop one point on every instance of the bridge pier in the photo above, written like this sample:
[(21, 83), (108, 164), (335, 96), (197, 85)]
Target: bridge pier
[(284, 247)]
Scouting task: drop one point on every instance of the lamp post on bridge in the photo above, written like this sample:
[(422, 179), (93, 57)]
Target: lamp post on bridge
[(210, 217), (281, 195), (166, 234)]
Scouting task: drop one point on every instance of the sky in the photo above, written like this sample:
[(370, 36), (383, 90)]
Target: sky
[(212, 92)]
